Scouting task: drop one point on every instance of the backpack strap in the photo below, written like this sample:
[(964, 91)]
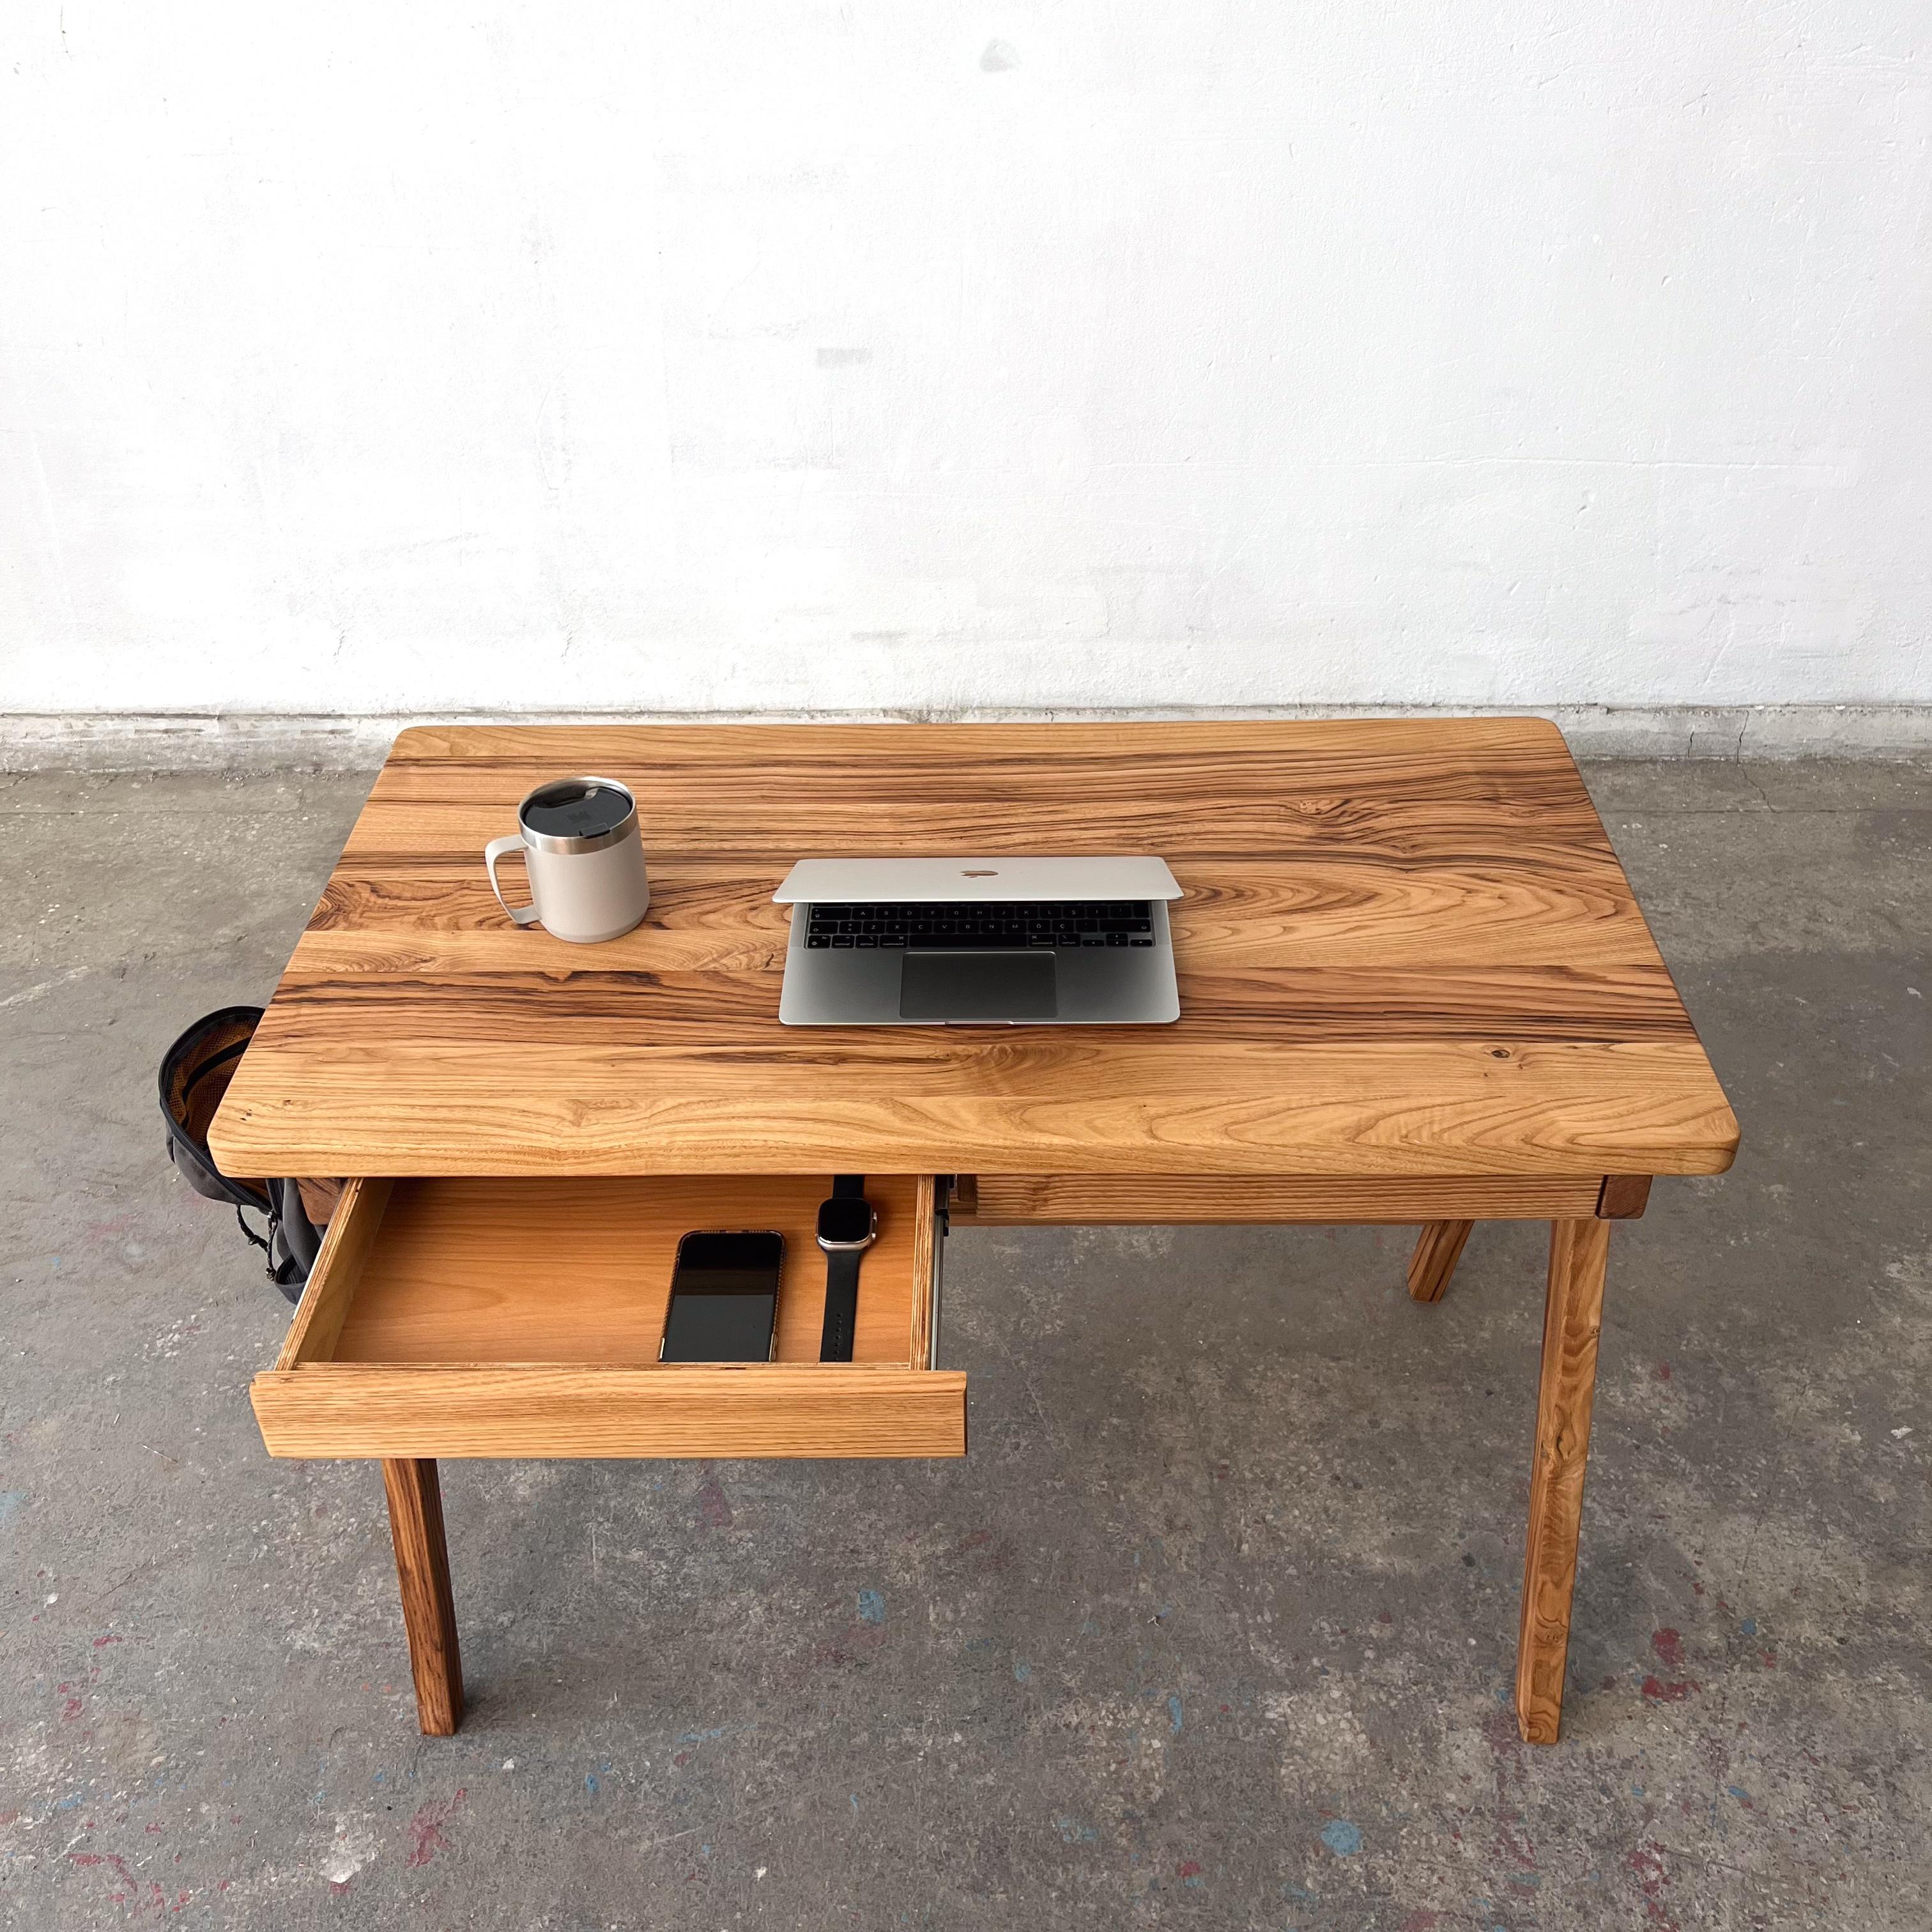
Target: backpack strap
[(195, 1073)]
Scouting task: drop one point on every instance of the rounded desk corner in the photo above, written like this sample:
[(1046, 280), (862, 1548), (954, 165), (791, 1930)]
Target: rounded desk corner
[(1546, 731), (228, 1140), (1725, 1142), (418, 741)]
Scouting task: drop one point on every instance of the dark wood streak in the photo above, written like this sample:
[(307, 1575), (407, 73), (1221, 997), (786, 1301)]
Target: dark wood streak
[(1258, 1009), (1410, 836)]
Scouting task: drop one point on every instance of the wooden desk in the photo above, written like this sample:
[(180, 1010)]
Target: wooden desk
[(1415, 987)]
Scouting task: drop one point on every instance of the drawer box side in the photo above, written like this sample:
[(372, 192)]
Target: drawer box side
[(332, 1281)]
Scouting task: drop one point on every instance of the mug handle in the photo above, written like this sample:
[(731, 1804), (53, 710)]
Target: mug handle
[(499, 848)]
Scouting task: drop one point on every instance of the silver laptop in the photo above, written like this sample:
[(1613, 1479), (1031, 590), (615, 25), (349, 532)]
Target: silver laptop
[(979, 942)]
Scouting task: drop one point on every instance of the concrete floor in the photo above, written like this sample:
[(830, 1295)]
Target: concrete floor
[(1216, 1623)]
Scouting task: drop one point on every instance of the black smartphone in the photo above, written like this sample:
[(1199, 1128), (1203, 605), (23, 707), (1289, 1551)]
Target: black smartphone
[(724, 1299)]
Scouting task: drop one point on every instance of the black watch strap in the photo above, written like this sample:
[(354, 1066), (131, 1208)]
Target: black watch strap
[(841, 1304), (841, 1282)]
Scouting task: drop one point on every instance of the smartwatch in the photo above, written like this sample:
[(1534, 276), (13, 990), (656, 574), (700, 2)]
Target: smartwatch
[(847, 1226)]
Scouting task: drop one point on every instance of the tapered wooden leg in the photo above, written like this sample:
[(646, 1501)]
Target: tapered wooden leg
[(1573, 1314), (429, 1611), (1437, 1251)]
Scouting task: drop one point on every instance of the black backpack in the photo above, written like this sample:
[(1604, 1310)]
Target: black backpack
[(195, 1074)]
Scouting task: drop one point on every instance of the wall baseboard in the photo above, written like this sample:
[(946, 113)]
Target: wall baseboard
[(119, 741)]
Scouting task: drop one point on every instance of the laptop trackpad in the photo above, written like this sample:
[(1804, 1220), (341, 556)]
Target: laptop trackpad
[(977, 986)]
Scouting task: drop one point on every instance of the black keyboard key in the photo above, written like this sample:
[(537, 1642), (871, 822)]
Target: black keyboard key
[(1066, 923)]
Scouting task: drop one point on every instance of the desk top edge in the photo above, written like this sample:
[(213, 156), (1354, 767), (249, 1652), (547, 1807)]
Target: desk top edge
[(419, 744)]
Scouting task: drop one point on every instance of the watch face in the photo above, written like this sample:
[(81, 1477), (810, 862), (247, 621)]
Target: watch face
[(844, 1221)]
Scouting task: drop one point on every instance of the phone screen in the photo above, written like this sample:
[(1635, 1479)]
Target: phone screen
[(724, 1299)]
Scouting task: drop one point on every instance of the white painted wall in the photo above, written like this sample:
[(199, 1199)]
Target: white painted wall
[(380, 357)]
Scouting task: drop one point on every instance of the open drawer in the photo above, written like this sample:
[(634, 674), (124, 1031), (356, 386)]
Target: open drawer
[(522, 1317)]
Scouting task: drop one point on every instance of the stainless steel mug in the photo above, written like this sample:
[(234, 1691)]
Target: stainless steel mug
[(579, 840)]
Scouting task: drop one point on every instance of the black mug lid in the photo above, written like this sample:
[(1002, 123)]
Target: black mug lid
[(576, 808)]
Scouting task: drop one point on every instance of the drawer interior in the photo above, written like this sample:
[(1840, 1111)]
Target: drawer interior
[(572, 1270)]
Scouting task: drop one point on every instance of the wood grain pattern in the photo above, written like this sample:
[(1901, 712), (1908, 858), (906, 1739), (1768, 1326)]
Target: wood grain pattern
[(1437, 1248), (1093, 1106), (332, 1281), (569, 1270), (1149, 1200), (438, 917), (351, 1409), (1572, 1320), (429, 1608), (691, 1013), (1624, 1198), (319, 1199), (1407, 949), (926, 1263)]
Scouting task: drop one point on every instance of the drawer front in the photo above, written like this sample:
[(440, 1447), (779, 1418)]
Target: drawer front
[(522, 1317), (822, 1410), (1018, 1200)]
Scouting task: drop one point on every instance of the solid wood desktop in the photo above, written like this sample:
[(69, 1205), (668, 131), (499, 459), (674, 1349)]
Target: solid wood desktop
[(1415, 987)]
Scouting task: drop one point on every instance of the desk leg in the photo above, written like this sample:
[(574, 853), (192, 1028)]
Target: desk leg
[(1437, 1252), (429, 1610), (1573, 1314)]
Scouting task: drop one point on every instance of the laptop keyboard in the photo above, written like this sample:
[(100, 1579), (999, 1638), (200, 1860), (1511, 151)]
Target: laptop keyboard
[(963, 928)]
